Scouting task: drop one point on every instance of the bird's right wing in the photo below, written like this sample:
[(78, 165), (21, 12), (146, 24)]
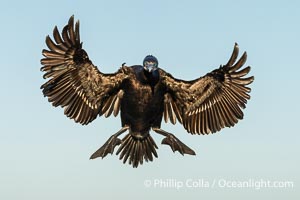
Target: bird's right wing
[(74, 82)]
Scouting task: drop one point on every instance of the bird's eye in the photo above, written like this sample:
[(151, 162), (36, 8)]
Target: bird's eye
[(150, 64)]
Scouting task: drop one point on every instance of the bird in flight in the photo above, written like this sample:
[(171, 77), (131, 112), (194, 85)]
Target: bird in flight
[(143, 94)]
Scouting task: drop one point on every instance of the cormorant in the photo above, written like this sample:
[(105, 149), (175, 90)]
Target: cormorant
[(144, 94)]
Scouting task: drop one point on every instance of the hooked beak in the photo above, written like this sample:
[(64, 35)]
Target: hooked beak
[(150, 66)]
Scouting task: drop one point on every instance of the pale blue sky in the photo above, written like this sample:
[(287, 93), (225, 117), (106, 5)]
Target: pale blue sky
[(44, 155)]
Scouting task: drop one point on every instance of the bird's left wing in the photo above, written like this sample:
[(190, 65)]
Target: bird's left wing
[(212, 102), (74, 82)]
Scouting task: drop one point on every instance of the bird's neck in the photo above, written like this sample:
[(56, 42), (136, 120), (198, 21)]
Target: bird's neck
[(152, 78)]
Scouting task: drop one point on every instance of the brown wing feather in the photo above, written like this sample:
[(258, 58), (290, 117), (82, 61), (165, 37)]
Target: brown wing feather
[(212, 102), (75, 83)]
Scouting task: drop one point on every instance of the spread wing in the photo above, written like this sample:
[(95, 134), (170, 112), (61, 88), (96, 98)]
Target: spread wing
[(74, 82), (212, 102)]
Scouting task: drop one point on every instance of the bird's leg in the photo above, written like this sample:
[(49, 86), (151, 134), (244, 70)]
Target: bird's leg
[(110, 144), (173, 142)]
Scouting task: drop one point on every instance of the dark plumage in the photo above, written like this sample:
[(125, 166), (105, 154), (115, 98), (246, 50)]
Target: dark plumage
[(143, 94)]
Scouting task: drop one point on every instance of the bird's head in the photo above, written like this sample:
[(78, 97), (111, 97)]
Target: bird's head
[(150, 63)]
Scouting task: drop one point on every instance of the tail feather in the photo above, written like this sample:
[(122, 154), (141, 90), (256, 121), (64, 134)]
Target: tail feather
[(135, 149)]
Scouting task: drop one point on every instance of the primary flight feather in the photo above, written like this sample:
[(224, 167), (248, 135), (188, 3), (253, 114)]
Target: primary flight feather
[(143, 94)]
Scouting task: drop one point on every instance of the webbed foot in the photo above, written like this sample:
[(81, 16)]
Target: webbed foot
[(177, 145), (174, 142), (107, 148), (109, 145)]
